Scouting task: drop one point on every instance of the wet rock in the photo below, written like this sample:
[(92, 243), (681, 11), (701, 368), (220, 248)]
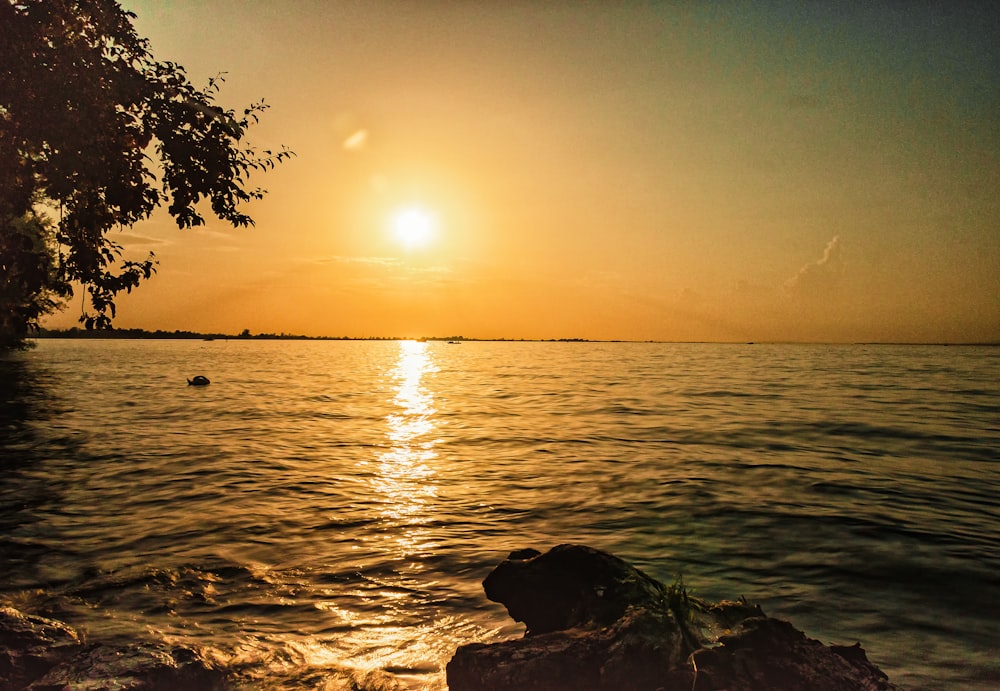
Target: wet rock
[(570, 586), (595, 622), (139, 667), (40, 654), (30, 646), (766, 653)]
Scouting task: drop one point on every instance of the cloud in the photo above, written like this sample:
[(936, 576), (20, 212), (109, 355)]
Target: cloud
[(134, 240), (820, 275), (340, 259)]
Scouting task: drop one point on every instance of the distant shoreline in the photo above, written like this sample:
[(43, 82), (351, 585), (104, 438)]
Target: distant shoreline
[(140, 334), (159, 334)]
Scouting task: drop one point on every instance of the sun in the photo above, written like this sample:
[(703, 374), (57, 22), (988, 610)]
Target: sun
[(413, 227)]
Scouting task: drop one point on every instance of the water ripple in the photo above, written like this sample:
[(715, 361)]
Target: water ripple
[(326, 511)]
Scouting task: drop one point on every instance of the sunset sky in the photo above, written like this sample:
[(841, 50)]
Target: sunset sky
[(626, 170)]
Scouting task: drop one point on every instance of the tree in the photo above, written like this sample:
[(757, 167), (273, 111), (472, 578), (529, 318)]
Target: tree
[(30, 284), (95, 134)]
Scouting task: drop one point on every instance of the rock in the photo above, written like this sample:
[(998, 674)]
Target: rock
[(138, 667), (766, 653), (595, 622), (570, 586), (40, 654), (30, 646)]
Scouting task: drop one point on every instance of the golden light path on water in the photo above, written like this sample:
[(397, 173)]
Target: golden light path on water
[(404, 488), (405, 479), (387, 629)]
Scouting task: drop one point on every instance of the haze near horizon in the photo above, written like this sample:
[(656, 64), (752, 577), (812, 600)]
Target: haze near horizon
[(638, 171)]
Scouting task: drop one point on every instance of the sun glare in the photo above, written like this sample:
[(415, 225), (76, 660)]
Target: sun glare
[(413, 227)]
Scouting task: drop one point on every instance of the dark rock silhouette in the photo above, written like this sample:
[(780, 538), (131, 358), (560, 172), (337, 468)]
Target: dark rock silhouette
[(199, 380), (596, 623), (30, 646), (40, 654)]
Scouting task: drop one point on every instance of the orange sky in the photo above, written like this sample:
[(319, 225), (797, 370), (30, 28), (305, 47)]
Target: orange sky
[(674, 171)]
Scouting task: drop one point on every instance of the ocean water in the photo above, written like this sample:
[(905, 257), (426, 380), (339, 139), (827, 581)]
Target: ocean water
[(325, 509)]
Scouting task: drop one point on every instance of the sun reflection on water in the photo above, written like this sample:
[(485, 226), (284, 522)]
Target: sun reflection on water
[(405, 481), (405, 488), (378, 643)]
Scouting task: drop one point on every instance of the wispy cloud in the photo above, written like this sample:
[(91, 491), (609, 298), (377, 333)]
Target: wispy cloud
[(341, 259), (820, 275), (135, 240)]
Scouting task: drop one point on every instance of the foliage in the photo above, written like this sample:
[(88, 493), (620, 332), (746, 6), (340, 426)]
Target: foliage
[(96, 132), (30, 284), (679, 600), (683, 607)]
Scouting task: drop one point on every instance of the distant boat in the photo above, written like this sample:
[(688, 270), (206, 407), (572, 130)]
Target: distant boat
[(455, 342)]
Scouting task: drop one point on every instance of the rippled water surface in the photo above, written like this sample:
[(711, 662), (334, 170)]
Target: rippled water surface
[(323, 509)]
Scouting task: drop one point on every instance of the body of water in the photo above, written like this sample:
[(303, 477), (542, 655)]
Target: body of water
[(325, 509)]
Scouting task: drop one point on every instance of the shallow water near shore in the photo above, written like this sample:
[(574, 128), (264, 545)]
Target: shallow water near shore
[(324, 508)]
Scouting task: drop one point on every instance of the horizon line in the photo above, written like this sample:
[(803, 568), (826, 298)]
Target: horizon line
[(182, 334)]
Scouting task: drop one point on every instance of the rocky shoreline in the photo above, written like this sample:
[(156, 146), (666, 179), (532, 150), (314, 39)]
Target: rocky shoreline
[(596, 623), (42, 654)]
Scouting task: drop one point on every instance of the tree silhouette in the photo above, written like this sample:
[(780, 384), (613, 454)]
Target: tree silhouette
[(95, 134)]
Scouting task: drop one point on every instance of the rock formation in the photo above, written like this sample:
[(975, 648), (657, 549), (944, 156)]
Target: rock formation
[(39, 654), (596, 623)]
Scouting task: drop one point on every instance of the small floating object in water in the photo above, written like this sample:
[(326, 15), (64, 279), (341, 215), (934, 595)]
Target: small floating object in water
[(199, 381)]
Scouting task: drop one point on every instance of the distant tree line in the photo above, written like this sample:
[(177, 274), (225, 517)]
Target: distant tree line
[(76, 332)]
